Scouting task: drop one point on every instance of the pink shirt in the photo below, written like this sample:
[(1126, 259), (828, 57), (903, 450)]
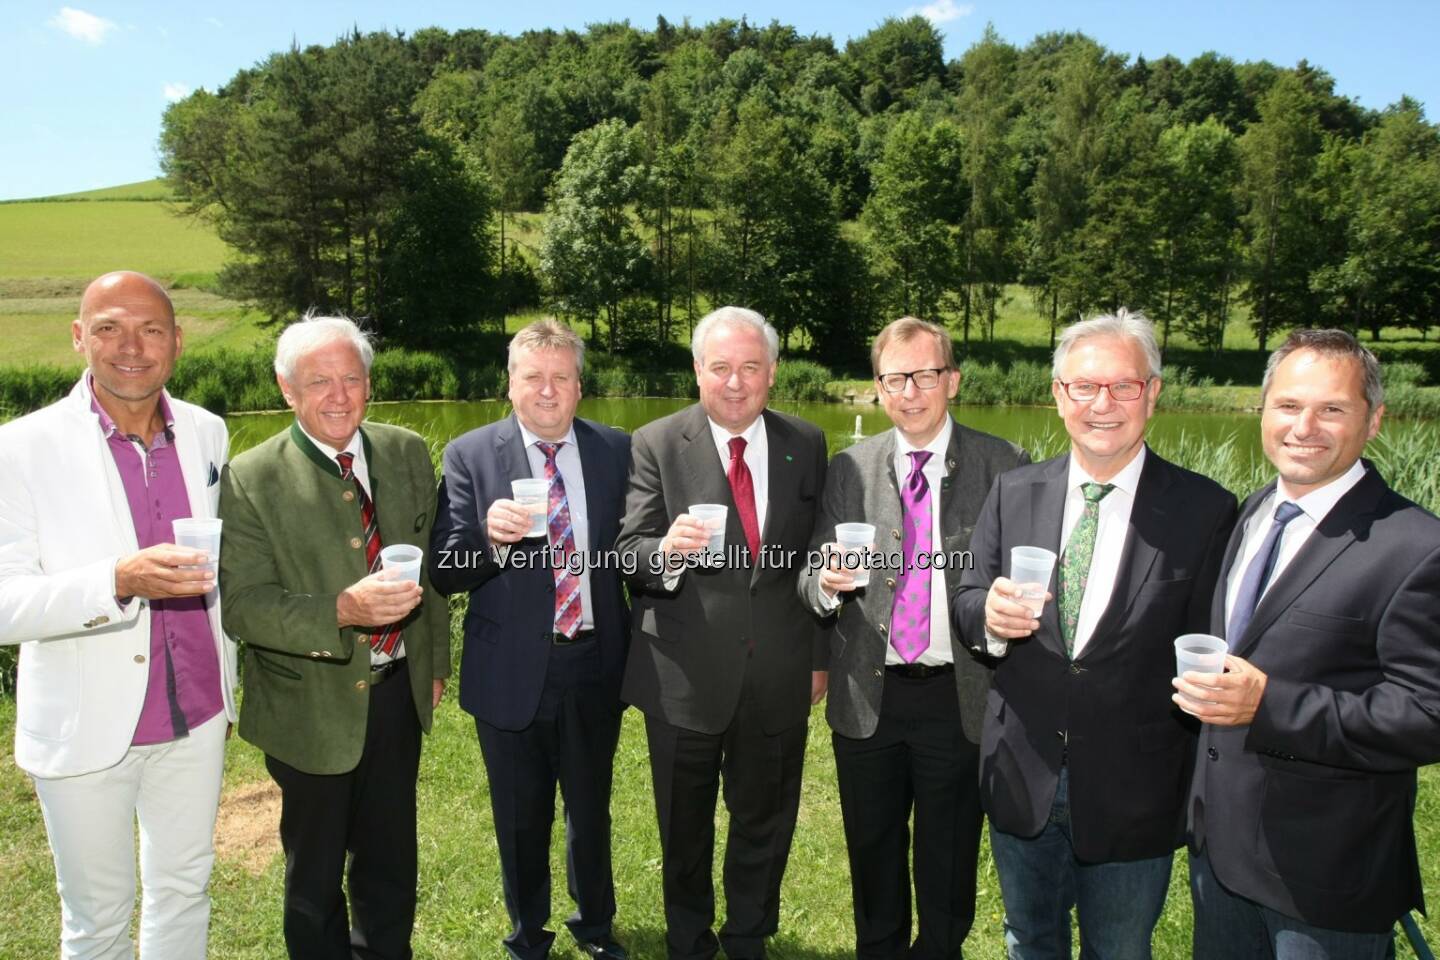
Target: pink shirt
[(184, 684)]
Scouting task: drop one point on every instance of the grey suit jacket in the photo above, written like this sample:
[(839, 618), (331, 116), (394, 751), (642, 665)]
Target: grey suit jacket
[(861, 487), (692, 648)]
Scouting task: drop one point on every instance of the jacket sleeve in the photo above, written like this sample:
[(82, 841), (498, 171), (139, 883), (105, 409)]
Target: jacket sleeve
[(646, 518), (459, 531)]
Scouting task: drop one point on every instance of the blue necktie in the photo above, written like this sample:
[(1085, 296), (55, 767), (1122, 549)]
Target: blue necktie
[(1252, 585)]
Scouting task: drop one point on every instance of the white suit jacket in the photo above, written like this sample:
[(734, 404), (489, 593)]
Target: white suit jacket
[(64, 522)]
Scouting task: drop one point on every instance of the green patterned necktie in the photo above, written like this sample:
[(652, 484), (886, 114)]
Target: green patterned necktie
[(1075, 564)]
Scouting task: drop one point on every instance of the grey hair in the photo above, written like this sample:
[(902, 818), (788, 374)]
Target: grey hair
[(310, 333), (547, 333), (734, 317), (1122, 324), (1329, 343)]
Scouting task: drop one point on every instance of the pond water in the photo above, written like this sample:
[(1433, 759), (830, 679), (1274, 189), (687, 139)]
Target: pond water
[(1024, 425)]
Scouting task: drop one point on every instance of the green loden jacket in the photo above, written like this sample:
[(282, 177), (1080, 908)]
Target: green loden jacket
[(292, 541)]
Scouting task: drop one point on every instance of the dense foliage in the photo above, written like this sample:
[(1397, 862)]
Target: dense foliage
[(830, 188)]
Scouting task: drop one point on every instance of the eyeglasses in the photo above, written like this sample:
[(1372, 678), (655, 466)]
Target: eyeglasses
[(924, 379), (1084, 391)]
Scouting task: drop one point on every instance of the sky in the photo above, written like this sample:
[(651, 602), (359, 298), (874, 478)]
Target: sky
[(83, 88)]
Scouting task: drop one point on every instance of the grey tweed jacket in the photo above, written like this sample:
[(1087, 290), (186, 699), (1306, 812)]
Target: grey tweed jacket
[(860, 486)]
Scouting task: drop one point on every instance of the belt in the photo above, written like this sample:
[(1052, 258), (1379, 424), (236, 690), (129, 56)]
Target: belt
[(560, 640), (380, 674), (919, 671)]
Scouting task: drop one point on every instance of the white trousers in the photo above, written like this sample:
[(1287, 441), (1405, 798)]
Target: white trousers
[(174, 788)]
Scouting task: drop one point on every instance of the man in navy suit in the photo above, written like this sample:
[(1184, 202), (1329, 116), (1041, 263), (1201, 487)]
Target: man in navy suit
[(546, 633), (1301, 813)]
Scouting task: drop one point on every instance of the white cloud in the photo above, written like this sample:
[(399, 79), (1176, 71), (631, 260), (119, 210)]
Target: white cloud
[(942, 11), (176, 91), (82, 26)]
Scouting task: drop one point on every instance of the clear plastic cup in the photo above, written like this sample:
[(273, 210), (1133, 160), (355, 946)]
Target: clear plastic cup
[(713, 516), (534, 497), (200, 533), (856, 540), (403, 560), (1031, 567), (1199, 653)]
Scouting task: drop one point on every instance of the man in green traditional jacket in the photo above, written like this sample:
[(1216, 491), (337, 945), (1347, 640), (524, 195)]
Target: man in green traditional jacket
[(343, 663)]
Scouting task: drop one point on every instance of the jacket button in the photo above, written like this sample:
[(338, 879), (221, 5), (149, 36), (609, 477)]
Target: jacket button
[(361, 684), (315, 654), (1075, 668), (890, 582), (884, 629), (895, 534), (1212, 753), (356, 543), (139, 658), (348, 496), (879, 672)]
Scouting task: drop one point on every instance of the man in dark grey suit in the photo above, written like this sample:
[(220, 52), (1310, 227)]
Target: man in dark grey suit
[(721, 654), (1301, 814), (1084, 761), (905, 702)]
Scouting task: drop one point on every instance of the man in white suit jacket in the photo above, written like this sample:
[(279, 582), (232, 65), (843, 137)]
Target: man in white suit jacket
[(126, 681)]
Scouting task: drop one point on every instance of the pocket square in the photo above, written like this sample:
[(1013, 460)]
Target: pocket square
[(214, 476)]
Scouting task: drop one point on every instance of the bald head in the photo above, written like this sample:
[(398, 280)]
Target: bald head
[(127, 333), (124, 285)]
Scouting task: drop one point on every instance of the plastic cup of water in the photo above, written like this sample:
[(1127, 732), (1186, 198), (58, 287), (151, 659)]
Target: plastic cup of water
[(534, 498), (1030, 567), (856, 540), (1199, 653), (712, 517), (200, 533), (403, 560)]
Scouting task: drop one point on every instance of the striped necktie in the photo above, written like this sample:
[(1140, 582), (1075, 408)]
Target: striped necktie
[(562, 546), (388, 639)]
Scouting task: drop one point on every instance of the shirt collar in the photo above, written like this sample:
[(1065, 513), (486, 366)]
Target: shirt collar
[(108, 426), (354, 446), (1128, 479), (530, 439), (937, 447), (1318, 503), (722, 436)]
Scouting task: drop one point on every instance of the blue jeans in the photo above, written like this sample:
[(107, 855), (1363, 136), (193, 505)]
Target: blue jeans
[(1117, 904), (1232, 927)]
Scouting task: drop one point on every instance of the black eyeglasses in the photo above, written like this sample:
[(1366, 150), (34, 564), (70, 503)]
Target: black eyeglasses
[(924, 379), (1084, 391)]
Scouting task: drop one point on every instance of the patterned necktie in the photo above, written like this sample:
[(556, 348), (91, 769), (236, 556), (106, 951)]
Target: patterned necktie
[(742, 488), (910, 617), (1075, 564), (1252, 584), (387, 640), (562, 546)]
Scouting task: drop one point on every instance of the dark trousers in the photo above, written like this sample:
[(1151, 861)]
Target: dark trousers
[(761, 774), (917, 760), (369, 814), (571, 742)]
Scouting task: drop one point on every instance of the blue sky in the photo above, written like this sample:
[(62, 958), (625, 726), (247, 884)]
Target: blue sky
[(82, 87)]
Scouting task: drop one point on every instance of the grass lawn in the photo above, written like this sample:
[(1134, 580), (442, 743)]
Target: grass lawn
[(462, 914)]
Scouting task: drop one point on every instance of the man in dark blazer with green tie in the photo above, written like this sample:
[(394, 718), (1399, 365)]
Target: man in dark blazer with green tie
[(343, 662)]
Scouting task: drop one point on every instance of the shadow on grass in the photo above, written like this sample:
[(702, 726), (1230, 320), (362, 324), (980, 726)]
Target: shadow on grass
[(648, 943)]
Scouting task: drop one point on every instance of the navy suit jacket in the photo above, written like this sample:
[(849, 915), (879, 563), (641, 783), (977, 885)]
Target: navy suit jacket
[(1308, 810), (511, 616)]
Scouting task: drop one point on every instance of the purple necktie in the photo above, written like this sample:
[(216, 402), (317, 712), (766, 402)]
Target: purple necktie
[(910, 620), (562, 545)]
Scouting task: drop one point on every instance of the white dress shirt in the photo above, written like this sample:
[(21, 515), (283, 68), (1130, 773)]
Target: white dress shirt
[(361, 470), (1314, 506), (567, 461), (939, 649), (1110, 533)]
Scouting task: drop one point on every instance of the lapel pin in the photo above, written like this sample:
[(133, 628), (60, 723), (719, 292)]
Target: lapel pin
[(788, 458)]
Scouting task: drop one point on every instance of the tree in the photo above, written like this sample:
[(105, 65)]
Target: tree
[(591, 255), (1278, 163), (896, 59)]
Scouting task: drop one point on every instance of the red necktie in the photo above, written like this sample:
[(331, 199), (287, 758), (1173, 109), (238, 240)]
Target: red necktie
[(562, 546), (742, 488), (388, 639)]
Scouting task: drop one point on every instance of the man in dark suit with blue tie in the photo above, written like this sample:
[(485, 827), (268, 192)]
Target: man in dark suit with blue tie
[(1301, 812), (546, 633)]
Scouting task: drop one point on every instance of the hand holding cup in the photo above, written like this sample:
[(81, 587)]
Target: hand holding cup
[(1008, 613), (507, 521)]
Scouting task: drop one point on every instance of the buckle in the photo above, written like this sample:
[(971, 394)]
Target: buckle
[(560, 640), (380, 674), (919, 671)]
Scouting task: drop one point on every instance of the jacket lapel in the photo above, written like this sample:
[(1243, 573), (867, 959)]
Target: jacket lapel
[(1146, 532), (510, 452), (1232, 552), (1047, 512), (192, 462), (600, 498), (1335, 533)]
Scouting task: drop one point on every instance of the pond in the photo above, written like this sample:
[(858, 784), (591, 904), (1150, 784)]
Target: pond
[(1023, 425)]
